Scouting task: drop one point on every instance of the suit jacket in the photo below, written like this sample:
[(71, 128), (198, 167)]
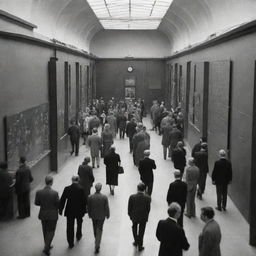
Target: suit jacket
[(201, 161), (195, 149), (86, 177), (209, 239), (48, 200), (98, 207), (222, 172), (94, 142), (23, 179), (172, 238), (130, 129), (146, 167), (74, 132), (179, 158), (192, 176), (74, 198), (177, 193), (139, 207), (175, 136)]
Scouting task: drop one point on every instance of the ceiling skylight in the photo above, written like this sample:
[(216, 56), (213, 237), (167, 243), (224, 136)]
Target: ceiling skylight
[(130, 14)]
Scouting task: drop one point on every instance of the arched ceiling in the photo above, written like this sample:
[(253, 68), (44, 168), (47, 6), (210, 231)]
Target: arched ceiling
[(187, 22)]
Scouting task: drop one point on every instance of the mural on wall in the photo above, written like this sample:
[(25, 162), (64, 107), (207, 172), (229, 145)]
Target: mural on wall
[(129, 92), (27, 134)]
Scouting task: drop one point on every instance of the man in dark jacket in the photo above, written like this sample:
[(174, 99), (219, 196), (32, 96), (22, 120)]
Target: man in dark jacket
[(138, 211), (74, 134), (175, 137), (22, 186), (74, 198), (48, 200), (171, 236), (130, 131), (197, 146), (179, 157), (146, 167), (177, 193), (221, 177)]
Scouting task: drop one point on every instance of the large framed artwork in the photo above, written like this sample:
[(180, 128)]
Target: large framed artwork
[(129, 92), (130, 81)]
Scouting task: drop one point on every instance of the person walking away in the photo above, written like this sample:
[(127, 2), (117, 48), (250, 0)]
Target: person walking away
[(130, 131), (179, 157), (138, 211), (23, 179), (107, 139), (86, 177), (175, 137), (48, 200), (94, 142), (177, 192), (146, 167), (112, 161), (222, 177), (74, 134), (171, 235), (74, 201), (98, 210), (210, 237), (192, 176)]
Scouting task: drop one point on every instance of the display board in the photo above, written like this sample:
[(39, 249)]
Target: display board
[(27, 134)]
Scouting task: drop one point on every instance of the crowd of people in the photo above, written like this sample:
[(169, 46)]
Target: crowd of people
[(126, 117)]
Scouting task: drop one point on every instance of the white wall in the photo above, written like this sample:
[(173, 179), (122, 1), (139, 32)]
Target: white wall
[(123, 43)]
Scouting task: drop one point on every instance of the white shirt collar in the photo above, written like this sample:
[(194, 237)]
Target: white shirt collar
[(173, 219)]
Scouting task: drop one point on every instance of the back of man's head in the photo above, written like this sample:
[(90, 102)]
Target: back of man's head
[(75, 179), (98, 187), (208, 212), (173, 210), (48, 180), (222, 153), (94, 130), (141, 187), (191, 161), (177, 174), (22, 159)]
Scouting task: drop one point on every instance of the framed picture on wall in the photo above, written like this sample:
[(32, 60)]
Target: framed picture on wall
[(129, 92), (130, 81)]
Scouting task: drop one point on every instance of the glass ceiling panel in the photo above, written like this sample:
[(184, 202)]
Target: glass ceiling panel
[(130, 14)]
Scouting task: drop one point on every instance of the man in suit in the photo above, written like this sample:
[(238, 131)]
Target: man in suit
[(74, 134), (175, 137), (130, 131), (86, 177), (171, 236), (192, 175), (209, 239), (221, 177), (48, 200), (74, 198), (22, 186), (94, 142), (138, 211), (201, 161), (197, 146), (98, 210), (177, 193), (146, 167)]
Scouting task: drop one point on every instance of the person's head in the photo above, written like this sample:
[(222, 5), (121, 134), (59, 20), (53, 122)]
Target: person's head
[(98, 187), (48, 180), (106, 127), (141, 187), (112, 149), (87, 160), (3, 165), (180, 144), (75, 179), (177, 174), (222, 153), (191, 161), (204, 146), (94, 130), (203, 139), (146, 153), (174, 210), (23, 159), (207, 213)]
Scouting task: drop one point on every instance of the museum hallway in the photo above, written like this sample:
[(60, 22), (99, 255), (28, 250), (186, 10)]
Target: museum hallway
[(24, 237)]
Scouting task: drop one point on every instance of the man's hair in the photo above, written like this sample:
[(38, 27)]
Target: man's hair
[(141, 187), (191, 161), (3, 165), (222, 153), (75, 178), (87, 159), (173, 209), (48, 180), (23, 159), (94, 130), (208, 212), (203, 139), (98, 186), (177, 174)]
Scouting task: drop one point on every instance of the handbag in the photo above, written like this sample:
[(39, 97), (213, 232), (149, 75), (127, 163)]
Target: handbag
[(120, 170)]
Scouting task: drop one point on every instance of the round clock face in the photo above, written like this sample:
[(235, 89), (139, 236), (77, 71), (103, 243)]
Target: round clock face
[(130, 69)]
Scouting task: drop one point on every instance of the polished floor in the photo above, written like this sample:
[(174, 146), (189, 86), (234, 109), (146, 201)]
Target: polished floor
[(24, 237)]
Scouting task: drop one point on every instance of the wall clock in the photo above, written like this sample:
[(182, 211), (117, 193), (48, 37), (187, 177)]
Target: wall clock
[(130, 69)]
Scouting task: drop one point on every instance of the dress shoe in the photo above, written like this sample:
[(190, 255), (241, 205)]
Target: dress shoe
[(51, 246), (224, 209), (218, 209), (46, 252), (141, 248), (98, 166), (135, 244), (71, 153), (97, 250), (71, 246), (78, 238)]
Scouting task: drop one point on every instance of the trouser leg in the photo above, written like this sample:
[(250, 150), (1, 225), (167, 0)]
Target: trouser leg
[(79, 222), (165, 152), (72, 146), (149, 188), (93, 161), (99, 230), (20, 204), (50, 226), (134, 232), (130, 143), (224, 195), (142, 227), (219, 195), (180, 219), (70, 230), (97, 161), (77, 147), (26, 198)]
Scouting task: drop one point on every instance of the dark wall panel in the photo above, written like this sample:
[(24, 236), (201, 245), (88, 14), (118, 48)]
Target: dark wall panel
[(149, 78)]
